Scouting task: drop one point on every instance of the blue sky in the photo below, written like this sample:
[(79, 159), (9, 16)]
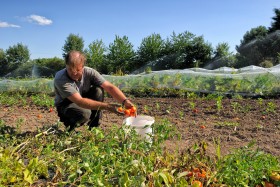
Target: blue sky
[(43, 26)]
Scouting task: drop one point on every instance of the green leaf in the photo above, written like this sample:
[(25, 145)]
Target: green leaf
[(28, 176), (164, 177)]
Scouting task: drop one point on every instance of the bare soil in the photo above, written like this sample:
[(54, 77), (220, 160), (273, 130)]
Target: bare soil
[(236, 122)]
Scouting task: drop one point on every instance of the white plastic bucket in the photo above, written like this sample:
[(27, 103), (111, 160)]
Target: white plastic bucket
[(142, 125)]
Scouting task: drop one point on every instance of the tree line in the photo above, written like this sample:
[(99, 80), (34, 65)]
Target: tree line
[(260, 46)]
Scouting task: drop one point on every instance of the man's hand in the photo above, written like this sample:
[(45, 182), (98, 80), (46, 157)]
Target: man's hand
[(114, 108), (127, 104)]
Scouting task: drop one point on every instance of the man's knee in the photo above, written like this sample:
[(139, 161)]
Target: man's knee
[(100, 93), (77, 114), (96, 93)]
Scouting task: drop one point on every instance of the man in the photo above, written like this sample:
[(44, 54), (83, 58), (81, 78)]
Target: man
[(79, 93)]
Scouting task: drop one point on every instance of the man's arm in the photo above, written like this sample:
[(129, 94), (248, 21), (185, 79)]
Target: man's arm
[(91, 104), (116, 93)]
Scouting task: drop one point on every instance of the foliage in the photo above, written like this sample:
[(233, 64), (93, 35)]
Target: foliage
[(119, 157), (31, 70), (166, 83), (275, 25), (222, 50), (258, 50), (54, 64), (73, 42), (254, 34), (89, 158), (266, 64), (260, 44), (17, 55), (120, 54), (150, 49), (22, 99), (3, 63), (246, 167), (197, 54), (96, 55)]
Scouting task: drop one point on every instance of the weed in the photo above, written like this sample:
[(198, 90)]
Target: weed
[(271, 107), (245, 167), (219, 103), (42, 100)]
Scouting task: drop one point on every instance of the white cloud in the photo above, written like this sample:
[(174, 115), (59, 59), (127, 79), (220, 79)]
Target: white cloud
[(40, 20), (5, 24)]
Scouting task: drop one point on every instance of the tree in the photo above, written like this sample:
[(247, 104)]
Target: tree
[(3, 63), (17, 55), (222, 50), (96, 55), (222, 57), (150, 49), (198, 53), (175, 48), (120, 55), (54, 63), (275, 25), (254, 34), (73, 42), (258, 48), (181, 41)]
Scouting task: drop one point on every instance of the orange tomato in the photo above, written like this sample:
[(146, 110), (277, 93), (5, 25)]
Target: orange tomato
[(132, 113), (196, 183), (127, 112), (195, 110), (201, 175), (120, 109), (133, 109), (202, 126)]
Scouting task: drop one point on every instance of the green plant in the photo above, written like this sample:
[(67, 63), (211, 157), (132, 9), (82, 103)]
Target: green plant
[(157, 106), (245, 167), (227, 124), (260, 101), (192, 105), (236, 106), (148, 70), (219, 103), (271, 107), (43, 100)]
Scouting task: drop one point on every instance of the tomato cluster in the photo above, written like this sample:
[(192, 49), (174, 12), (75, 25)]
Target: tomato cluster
[(197, 174), (128, 112)]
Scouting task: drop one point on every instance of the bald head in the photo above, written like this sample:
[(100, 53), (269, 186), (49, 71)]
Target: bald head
[(74, 58)]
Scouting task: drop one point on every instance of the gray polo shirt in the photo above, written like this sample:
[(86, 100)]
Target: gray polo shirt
[(64, 86)]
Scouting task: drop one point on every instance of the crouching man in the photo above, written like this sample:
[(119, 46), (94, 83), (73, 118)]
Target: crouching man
[(79, 93)]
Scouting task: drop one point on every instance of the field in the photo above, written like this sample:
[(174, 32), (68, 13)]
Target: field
[(211, 120), (236, 123)]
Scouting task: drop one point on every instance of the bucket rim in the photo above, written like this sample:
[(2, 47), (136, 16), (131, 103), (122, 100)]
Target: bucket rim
[(150, 119)]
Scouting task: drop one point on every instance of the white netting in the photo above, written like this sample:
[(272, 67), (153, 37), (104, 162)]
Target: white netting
[(251, 80)]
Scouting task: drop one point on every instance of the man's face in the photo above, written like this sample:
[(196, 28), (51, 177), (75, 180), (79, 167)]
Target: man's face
[(75, 72)]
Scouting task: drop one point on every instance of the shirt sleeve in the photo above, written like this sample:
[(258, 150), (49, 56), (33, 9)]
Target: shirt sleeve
[(97, 78), (63, 86), (65, 89)]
